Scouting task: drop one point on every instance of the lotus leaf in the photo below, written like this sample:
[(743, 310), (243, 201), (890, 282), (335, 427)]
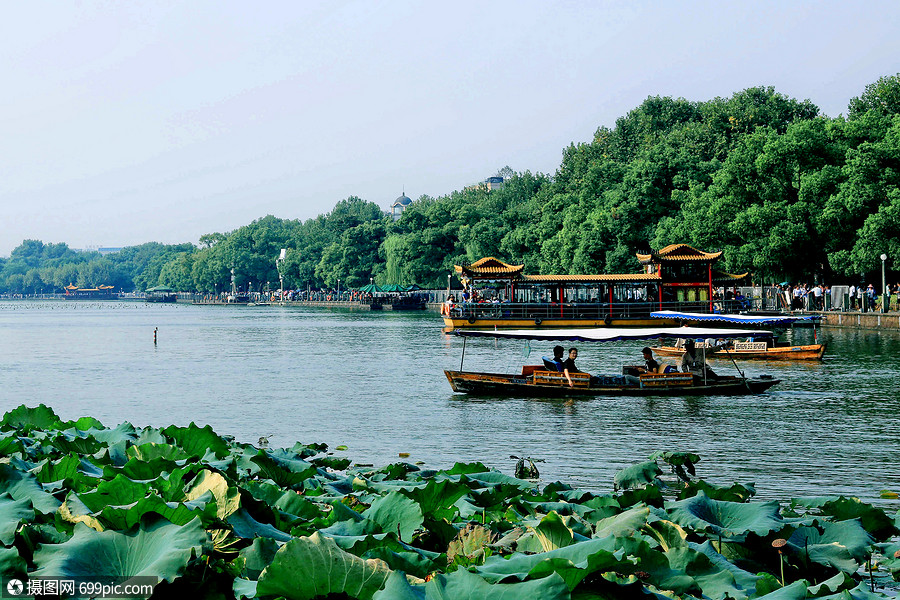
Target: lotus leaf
[(794, 591), (638, 476), (12, 514), (842, 545), (860, 592), (139, 469), (23, 485), (437, 499), (313, 566), (284, 472), (289, 501), (624, 524), (247, 527), (74, 440), (840, 582), (196, 441), (735, 493), (466, 468), (154, 548), (11, 564), (228, 497), (123, 517), (117, 491), (465, 585), (25, 419), (253, 559), (73, 510), (396, 512), (150, 451), (873, 519), (572, 562), (726, 519), (125, 432)]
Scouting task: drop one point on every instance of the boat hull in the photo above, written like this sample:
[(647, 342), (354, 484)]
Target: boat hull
[(498, 384), (808, 352), (551, 323)]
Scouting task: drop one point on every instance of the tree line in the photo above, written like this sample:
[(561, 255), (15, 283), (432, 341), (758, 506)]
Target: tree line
[(785, 191)]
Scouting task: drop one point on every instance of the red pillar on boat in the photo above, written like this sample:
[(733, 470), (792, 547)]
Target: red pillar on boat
[(710, 289)]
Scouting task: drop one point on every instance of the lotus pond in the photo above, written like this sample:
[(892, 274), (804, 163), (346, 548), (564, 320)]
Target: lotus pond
[(215, 518)]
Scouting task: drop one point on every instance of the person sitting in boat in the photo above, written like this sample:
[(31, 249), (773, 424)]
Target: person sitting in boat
[(693, 362), (569, 365), (555, 363), (651, 366)]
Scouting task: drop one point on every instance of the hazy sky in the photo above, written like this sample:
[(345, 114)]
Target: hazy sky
[(128, 122)]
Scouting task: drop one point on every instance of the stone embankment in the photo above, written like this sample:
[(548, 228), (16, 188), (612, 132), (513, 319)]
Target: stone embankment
[(862, 320)]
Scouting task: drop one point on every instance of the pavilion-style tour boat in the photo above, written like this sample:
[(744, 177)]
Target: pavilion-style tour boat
[(498, 294)]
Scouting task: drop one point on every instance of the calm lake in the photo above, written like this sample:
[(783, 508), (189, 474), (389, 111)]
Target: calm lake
[(374, 382)]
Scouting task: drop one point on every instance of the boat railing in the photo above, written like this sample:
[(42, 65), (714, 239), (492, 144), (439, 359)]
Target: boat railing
[(570, 310)]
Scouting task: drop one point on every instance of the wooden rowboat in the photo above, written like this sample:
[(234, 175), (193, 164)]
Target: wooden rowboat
[(752, 351), (541, 380)]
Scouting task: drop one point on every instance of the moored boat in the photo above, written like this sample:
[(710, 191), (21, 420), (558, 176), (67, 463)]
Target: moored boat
[(542, 380), (752, 348)]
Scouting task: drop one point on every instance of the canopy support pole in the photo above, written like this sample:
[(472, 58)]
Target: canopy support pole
[(463, 357)]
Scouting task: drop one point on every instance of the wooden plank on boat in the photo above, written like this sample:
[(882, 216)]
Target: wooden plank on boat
[(556, 378), (666, 379)]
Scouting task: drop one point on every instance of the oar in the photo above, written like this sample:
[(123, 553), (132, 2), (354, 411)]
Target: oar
[(737, 367)]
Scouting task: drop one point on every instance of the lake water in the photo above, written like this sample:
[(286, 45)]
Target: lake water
[(374, 382)]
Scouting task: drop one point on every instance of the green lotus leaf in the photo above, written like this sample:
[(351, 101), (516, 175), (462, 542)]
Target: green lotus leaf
[(24, 418), (150, 451), (314, 566), (12, 513), (253, 559), (85, 423), (744, 579), (726, 519), (243, 588), (171, 486), (49, 471), (76, 441), (734, 493), (124, 433), (196, 441), (551, 533), (150, 435), (247, 527), (794, 591), (860, 592), (289, 501), (466, 468), (284, 472), (623, 524), (397, 587), (462, 584), (496, 478), (437, 498), (650, 495), (124, 517), (713, 580), (873, 519), (22, 485), (572, 562), (117, 491), (637, 476), (11, 564), (396, 512), (10, 443), (154, 548), (842, 545), (665, 534), (682, 463), (840, 582)]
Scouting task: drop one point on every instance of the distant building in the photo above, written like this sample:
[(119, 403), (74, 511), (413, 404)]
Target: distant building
[(399, 205), (105, 251), (491, 183)]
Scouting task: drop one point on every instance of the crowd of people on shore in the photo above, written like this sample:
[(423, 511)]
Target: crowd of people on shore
[(819, 297)]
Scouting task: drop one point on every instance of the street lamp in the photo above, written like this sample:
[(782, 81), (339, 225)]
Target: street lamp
[(339, 289), (885, 297), (449, 275)]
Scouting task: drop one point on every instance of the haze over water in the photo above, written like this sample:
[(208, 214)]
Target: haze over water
[(374, 382)]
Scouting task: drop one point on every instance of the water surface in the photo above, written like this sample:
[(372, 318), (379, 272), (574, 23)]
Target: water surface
[(374, 382)]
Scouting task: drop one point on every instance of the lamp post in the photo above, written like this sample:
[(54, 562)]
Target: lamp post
[(449, 275), (339, 289), (885, 297)]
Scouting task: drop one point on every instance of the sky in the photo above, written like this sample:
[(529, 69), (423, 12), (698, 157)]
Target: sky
[(128, 122)]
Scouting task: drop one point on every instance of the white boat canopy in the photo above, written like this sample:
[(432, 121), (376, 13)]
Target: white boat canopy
[(768, 320), (607, 334)]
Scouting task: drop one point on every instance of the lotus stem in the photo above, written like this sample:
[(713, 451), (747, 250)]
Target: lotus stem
[(778, 545)]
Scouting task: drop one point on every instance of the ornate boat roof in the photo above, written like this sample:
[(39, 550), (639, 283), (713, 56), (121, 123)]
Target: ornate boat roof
[(490, 266), (678, 253), (593, 278)]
